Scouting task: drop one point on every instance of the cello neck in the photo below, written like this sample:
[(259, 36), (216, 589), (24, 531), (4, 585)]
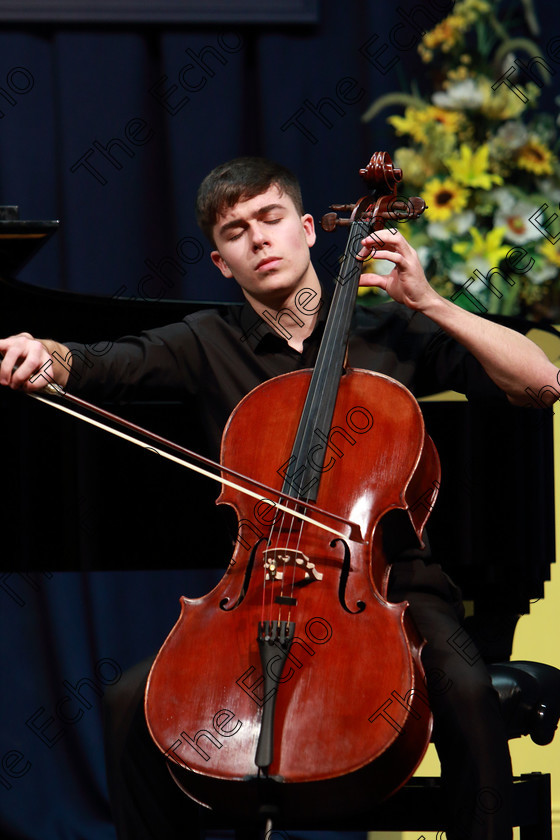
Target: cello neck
[(309, 450)]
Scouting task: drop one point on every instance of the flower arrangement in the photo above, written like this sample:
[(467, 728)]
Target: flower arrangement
[(485, 161)]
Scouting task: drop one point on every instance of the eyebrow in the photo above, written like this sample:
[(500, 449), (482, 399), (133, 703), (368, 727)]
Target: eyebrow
[(261, 211)]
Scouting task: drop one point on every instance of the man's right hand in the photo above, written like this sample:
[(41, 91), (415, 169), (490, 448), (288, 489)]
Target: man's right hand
[(27, 364)]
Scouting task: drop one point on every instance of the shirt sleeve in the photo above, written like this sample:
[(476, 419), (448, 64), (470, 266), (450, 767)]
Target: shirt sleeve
[(158, 363), (445, 365)]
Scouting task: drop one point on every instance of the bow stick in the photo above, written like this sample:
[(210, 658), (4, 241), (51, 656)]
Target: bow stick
[(52, 388)]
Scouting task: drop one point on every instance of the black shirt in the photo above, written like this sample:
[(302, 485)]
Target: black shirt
[(214, 357)]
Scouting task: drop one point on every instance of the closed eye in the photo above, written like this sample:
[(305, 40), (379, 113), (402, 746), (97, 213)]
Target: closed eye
[(232, 237)]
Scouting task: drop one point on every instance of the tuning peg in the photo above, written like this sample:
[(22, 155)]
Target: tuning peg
[(330, 221)]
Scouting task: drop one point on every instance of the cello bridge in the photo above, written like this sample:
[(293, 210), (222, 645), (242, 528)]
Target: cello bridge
[(274, 558)]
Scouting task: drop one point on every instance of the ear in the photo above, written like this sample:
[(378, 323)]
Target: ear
[(220, 263), (309, 229)]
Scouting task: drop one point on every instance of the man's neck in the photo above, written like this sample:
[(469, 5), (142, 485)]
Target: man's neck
[(292, 317)]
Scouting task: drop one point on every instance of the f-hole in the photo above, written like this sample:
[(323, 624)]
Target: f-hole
[(344, 572), (246, 579)]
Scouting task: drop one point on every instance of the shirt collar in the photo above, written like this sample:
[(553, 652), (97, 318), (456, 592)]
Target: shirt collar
[(257, 332)]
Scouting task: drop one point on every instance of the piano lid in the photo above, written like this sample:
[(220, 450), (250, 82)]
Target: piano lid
[(20, 240), (78, 316)]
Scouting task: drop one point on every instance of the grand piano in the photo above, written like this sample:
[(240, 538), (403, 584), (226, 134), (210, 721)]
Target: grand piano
[(76, 498)]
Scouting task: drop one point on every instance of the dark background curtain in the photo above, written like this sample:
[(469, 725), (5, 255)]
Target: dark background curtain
[(96, 130)]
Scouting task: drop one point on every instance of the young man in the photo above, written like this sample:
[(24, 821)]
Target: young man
[(251, 210)]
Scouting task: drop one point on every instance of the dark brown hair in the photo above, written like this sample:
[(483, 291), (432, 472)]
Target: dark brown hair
[(239, 180)]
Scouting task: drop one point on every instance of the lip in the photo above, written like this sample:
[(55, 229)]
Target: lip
[(268, 263)]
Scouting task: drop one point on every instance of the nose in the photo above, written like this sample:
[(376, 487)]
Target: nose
[(259, 237)]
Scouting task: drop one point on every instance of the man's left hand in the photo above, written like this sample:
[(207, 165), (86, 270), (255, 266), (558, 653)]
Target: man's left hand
[(406, 283)]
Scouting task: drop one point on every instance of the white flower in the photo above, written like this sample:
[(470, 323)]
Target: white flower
[(439, 230), (515, 219), (463, 272), (463, 222), (504, 198), (463, 94), (457, 225), (512, 135)]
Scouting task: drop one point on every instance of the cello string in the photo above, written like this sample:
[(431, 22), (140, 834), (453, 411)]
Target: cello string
[(339, 307), (329, 346), (272, 580), (284, 535), (285, 571)]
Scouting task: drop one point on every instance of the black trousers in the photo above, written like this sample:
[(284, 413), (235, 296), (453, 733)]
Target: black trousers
[(469, 732)]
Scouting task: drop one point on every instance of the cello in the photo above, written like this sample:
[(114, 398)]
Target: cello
[(294, 685)]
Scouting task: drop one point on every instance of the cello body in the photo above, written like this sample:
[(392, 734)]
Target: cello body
[(350, 719)]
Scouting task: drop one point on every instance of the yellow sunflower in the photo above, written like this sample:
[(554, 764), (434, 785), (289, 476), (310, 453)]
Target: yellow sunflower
[(444, 199), (535, 157)]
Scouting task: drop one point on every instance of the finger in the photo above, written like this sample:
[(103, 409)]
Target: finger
[(22, 359), (374, 280), (33, 372), (5, 343), (9, 362), (386, 235), (369, 248), (375, 243), (391, 256)]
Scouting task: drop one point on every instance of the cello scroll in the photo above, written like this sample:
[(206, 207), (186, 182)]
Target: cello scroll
[(384, 205)]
